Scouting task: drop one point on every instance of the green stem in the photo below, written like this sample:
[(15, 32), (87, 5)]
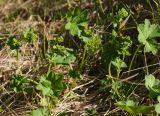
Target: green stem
[(55, 66), (118, 93), (44, 45), (32, 81), (100, 3), (109, 77), (151, 9), (17, 58), (145, 60), (109, 70), (130, 66), (118, 73), (49, 68), (83, 58), (49, 105)]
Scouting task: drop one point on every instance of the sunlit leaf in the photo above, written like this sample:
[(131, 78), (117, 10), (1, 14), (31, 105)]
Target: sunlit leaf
[(153, 85), (157, 108), (147, 36), (133, 107), (40, 112)]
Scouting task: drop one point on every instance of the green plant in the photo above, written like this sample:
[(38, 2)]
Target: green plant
[(157, 106), (77, 24), (121, 90), (147, 36), (62, 55), (118, 46), (118, 17), (133, 107), (1, 109), (51, 84), (85, 42), (153, 85), (119, 64), (115, 51), (77, 20), (92, 44), (20, 84), (29, 35), (40, 112), (58, 54), (14, 44)]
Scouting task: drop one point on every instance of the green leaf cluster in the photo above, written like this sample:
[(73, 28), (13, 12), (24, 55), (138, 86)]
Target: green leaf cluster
[(147, 36), (153, 85), (59, 54), (122, 13), (13, 43), (40, 112), (133, 107), (119, 64), (29, 35), (157, 106), (62, 55), (122, 43), (77, 20), (93, 44), (118, 17), (120, 90), (20, 84), (51, 84)]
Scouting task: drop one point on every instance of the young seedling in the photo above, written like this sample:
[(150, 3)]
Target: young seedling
[(29, 35), (14, 44)]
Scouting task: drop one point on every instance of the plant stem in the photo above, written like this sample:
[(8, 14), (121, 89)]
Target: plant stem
[(44, 44), (118, 73), (130, 66), (83, 58), (49, 68), (17, 58), (109, 70), (100, 3), (148, 1), (145, 60), (32, 81), (49, 105)]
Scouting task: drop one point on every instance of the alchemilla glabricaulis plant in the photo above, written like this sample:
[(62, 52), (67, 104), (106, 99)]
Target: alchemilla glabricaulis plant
[(66, 54)]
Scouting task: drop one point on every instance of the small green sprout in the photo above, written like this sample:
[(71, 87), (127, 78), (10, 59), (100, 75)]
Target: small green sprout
[(29, 35)]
